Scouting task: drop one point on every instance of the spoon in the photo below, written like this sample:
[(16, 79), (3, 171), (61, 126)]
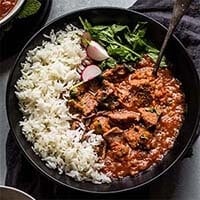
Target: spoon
[(179, 9)]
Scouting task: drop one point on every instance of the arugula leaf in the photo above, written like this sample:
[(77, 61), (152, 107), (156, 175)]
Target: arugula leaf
[(135, 41), (121, 53), (118, 28), (86, 25), (154, 56), (30, 7), (140, 28)]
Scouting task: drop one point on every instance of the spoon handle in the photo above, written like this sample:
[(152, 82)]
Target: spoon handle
[(179, 9)]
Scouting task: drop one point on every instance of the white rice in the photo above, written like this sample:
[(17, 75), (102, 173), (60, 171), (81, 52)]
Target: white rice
[(49, 70)]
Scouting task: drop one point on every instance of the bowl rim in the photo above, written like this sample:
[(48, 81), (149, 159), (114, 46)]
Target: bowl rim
[(42, 171), (16, 190), (12, 13)]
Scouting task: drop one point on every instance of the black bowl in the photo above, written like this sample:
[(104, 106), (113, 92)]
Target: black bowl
[(183, 69)]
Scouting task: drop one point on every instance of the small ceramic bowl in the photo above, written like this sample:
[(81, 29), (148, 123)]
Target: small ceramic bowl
[(9, 193), (12, 13)]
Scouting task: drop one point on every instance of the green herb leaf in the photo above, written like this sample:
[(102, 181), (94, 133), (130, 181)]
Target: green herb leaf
[(108, 63), (121, 53), (154, 57), (30, 7), (118, 28), (74, 87)]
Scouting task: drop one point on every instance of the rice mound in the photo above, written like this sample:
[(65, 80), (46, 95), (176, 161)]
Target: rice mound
[(49, 70)]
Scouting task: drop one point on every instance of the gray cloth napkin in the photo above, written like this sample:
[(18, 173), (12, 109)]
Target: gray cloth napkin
[(188, 31)]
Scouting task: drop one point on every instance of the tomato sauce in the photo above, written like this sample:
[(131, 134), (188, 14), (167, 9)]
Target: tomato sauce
[(138, 115), (6, 6)]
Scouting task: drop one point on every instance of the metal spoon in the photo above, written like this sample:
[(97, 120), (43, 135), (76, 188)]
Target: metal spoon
[(179, 9)]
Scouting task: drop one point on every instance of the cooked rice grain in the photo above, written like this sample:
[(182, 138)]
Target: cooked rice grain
[(49, 70)]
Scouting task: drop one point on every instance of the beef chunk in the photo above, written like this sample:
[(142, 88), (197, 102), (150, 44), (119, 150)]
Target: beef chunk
[(112, 131), (122, 93), (88, 103), (103, 93), (100, 124), (115, 74), (123, 115), (108, 86), (137, 97), (119, 149), (74, 106), (149, 116), (137, 136)]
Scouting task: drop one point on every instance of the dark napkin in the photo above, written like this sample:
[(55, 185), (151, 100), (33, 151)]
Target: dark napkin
[(21, 174), (188, 30)]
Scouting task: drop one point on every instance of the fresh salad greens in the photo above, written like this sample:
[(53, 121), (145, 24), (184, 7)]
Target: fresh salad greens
[(122, 44)]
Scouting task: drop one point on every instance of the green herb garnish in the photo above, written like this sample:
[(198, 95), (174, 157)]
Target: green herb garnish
[(154, 56), (122, 44), (108, 63), (30, 7), (74, 87)]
